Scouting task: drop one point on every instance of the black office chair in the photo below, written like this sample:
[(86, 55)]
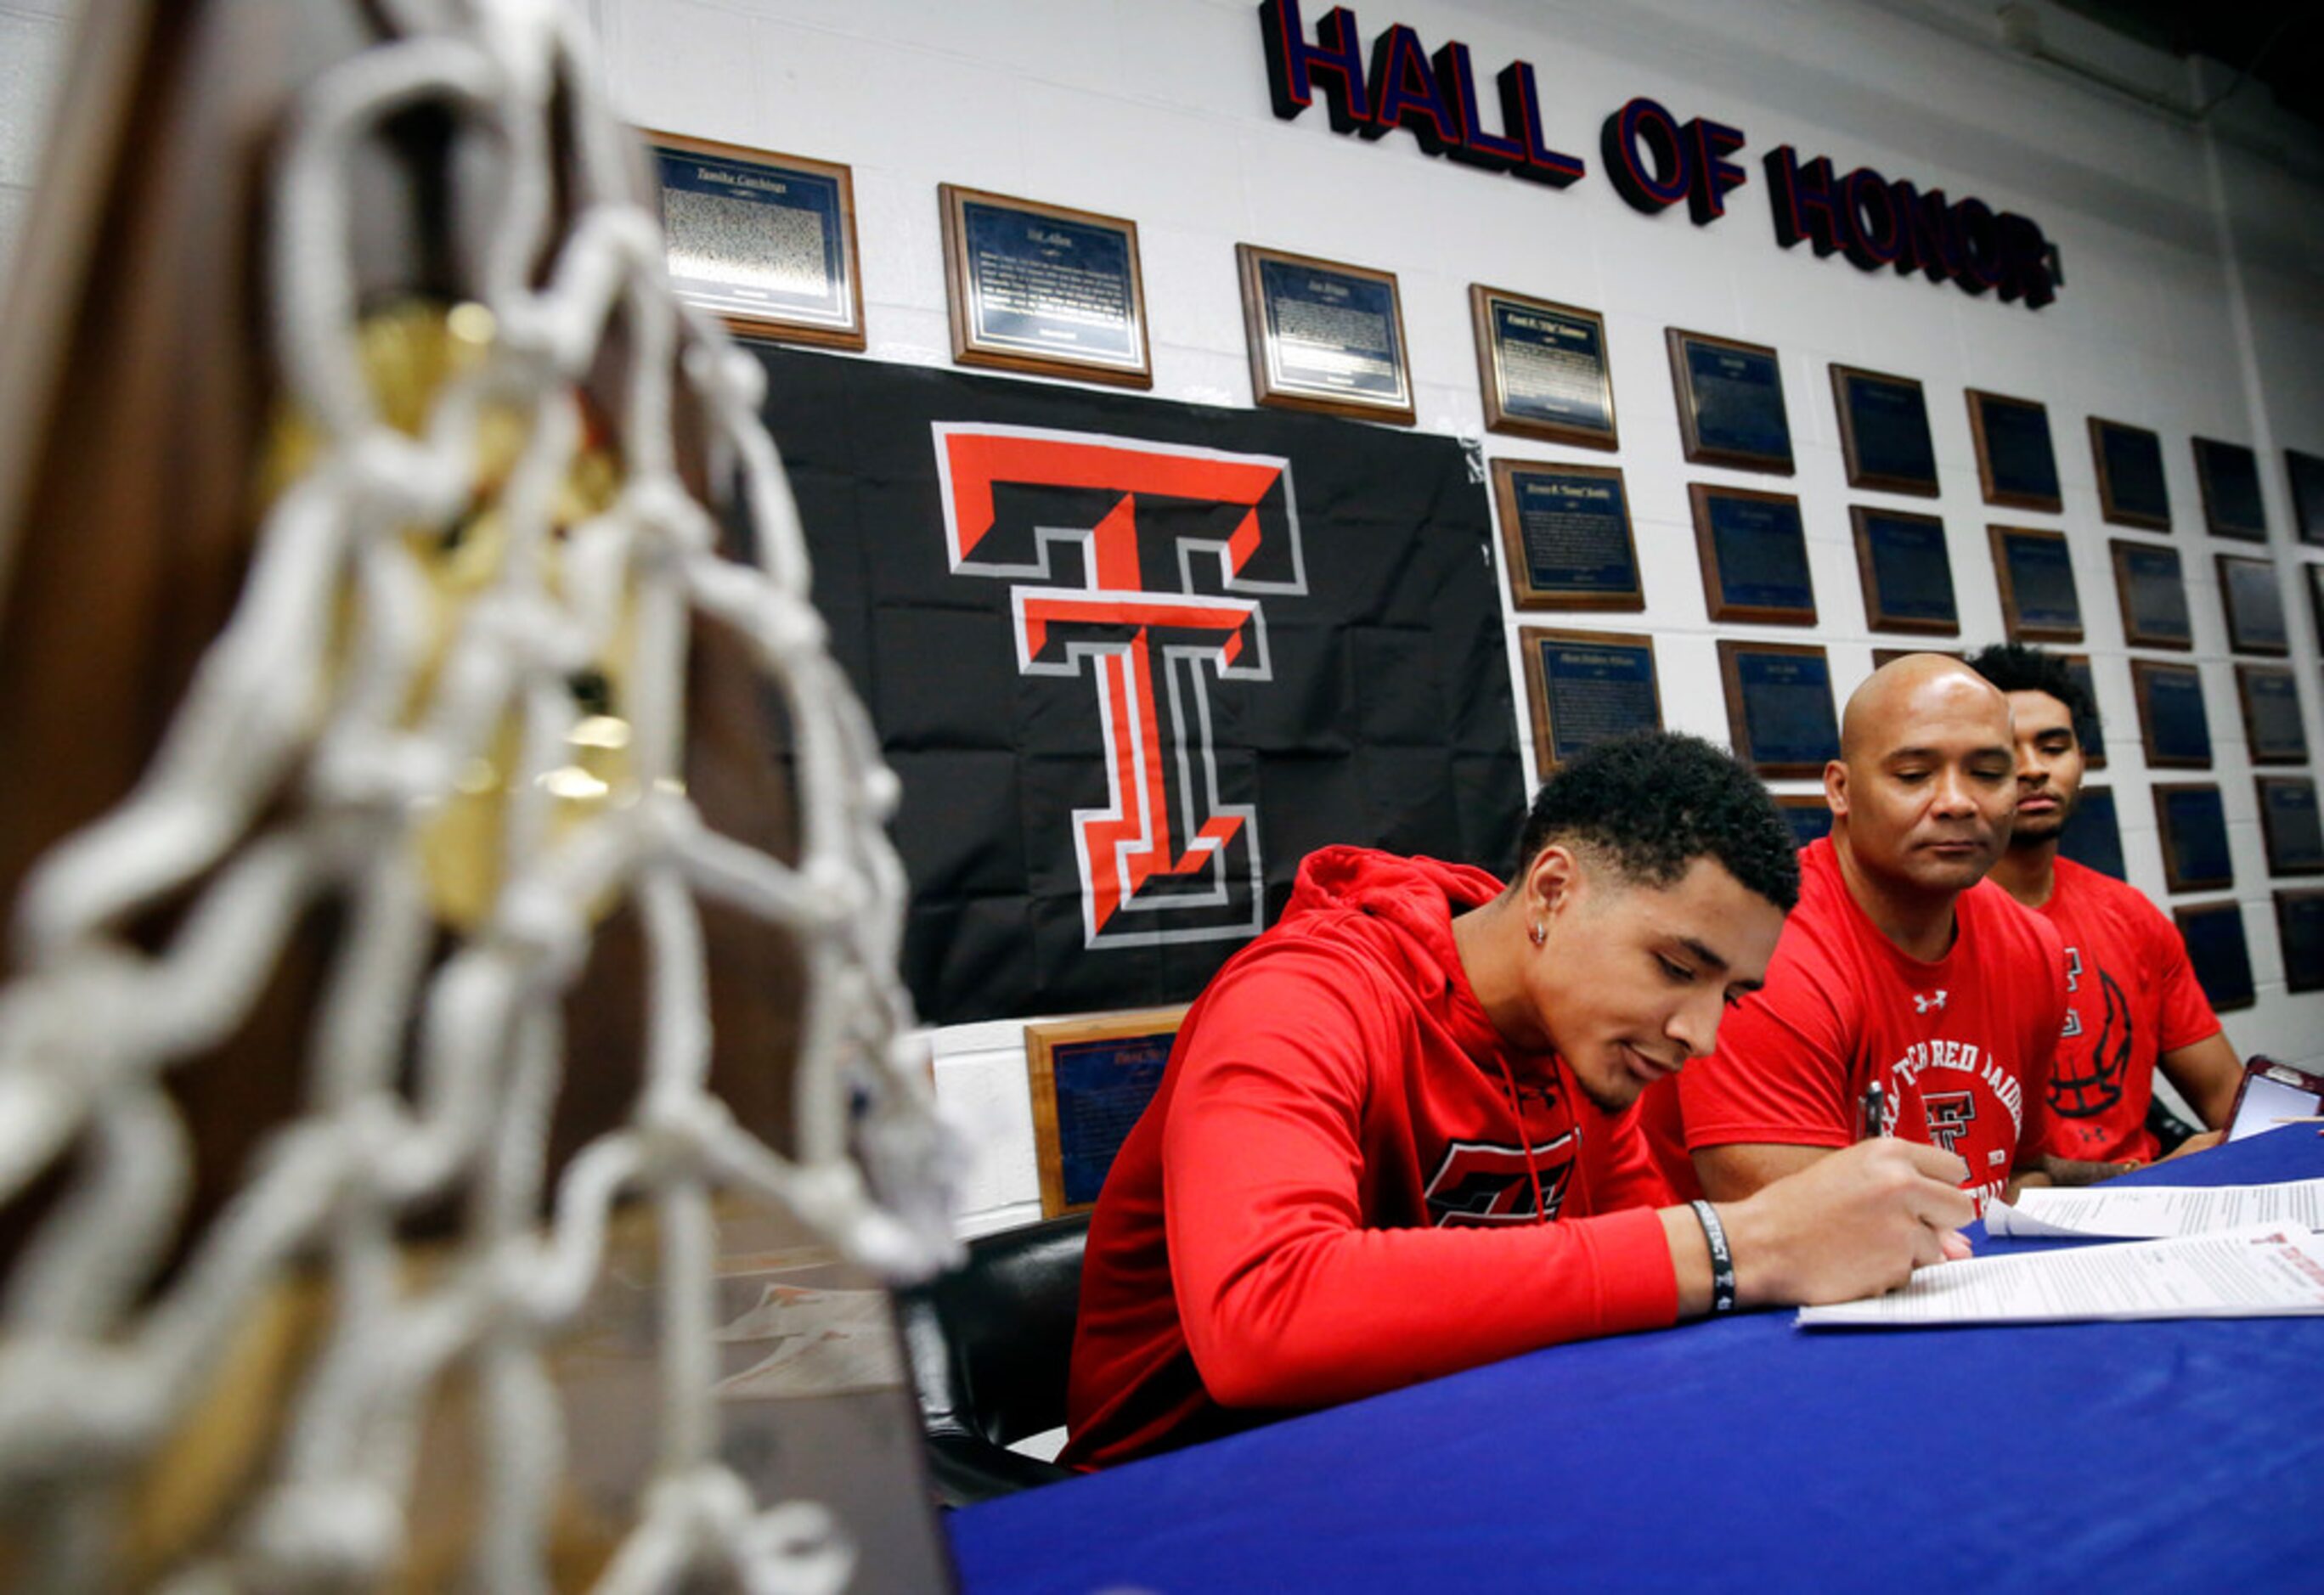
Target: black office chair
[(989, 1344)]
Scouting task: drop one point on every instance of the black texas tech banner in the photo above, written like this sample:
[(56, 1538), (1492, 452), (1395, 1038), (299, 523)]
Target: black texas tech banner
[(1134, 661)]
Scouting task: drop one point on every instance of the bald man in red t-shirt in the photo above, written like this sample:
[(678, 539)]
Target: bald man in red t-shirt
[(1908, 996)]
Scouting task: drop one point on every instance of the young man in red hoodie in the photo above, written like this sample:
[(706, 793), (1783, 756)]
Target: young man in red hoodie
[(2133, 1004), (1393, 1140)]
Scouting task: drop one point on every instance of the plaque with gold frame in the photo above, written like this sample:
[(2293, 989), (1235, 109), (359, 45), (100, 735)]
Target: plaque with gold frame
[(1780, 718), (2017, 466), (2192, 822), (764, 242), (1091, 1078), (1566, 536), (1753, 554), (1543, 368), (2216, 949), (1324, 336), (2253, 602), (1883, 432), (1044, 289), (2151, 589), (1585, 686), (2132, 488), (2036, 572), (2172, 720), (1730, 402), (2275, 732)]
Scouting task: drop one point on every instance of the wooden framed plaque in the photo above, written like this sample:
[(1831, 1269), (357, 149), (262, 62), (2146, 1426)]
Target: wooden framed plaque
[(2314, 575), (1730, 402), (2151, 589), (2274, 730), (2300, 929), (2289, 825), (1585, 686), (2035, 571), (2132, 491), (2172, 719), (764, 242), (2092, 837), (1907, 571), (2214, 934), (2089, 729), (1040, 288), (2255, 604), (2193, 823), (1565, 534), (1753, 554), (1544, 369), (1883, 432), (2306, 475), (1809, 816), (2015, 464), (1882, 657), (1091, 1078), (1779, 706), (2229, 475), (1324, 336)]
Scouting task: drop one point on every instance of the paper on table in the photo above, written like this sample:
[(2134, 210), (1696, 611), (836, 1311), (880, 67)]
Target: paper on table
[(2151, 1213), (2264, 1271)]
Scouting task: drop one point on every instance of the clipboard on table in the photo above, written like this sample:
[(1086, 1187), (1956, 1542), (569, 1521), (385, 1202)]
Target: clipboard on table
[(2270, 1091)]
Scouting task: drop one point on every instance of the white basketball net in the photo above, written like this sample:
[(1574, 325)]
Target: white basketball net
[(93, 1374)]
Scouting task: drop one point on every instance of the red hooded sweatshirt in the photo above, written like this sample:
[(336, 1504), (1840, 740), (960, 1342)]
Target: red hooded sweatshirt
[(1347, 1182)]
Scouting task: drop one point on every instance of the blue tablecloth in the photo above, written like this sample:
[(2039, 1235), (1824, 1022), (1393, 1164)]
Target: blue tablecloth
[(1747, 1456)]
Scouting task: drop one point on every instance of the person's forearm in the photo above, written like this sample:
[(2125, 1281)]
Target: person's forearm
[(2077, 1171)]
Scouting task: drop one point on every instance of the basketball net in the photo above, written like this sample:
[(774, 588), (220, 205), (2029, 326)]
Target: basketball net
[(331, 736)]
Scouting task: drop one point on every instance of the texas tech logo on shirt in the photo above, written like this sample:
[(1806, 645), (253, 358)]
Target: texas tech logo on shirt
[(1143, 567), (1950, 1115), (1479, 1183)]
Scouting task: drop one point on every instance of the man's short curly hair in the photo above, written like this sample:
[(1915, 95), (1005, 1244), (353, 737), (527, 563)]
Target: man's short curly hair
[(2014, 667), (1653, 802)]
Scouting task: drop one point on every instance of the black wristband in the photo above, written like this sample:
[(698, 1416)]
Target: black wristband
[(1722, 1261)]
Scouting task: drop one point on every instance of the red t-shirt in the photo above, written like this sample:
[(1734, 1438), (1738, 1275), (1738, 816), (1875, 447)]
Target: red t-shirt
[(1344, 1182), (1962, 1046), (2132, 997)]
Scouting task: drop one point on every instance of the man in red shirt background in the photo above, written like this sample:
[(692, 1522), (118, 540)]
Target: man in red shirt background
[(1908, 995), (1394, 1137), (2134, 1003)]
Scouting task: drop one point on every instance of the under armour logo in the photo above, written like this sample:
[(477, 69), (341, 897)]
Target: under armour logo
[(1924, 1001)]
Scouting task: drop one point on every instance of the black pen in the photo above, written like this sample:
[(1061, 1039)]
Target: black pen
[(1871, 1115)]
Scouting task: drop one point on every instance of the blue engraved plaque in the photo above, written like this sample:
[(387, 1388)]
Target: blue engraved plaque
[(766, 242), (1907, 571), (2214, 934), (2274, 730), (2132, 491), (2039, 600), (1036, 286), (2171, 713), (1587, 686), (2290, 825), (2153, 596), (2299, 927), (2093, 834), (1325, 335), (2193, 823), (1754, 555), (1779, 706), (1103, 1086), (1809, 817), (2015, 459), (2088, 729), (1545, 369), (1883, 432), (1566, 532), (2254, 605), (2306, 472), (1730, 402), (2229, 475)]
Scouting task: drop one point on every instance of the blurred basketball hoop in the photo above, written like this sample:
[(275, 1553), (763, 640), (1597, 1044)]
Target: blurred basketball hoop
[(455, 1102)]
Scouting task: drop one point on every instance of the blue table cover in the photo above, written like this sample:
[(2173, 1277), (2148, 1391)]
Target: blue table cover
[(1748, 1456)]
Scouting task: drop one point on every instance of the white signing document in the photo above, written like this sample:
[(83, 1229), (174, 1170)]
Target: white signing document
[(2267, 1271), (2152, 1212)]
